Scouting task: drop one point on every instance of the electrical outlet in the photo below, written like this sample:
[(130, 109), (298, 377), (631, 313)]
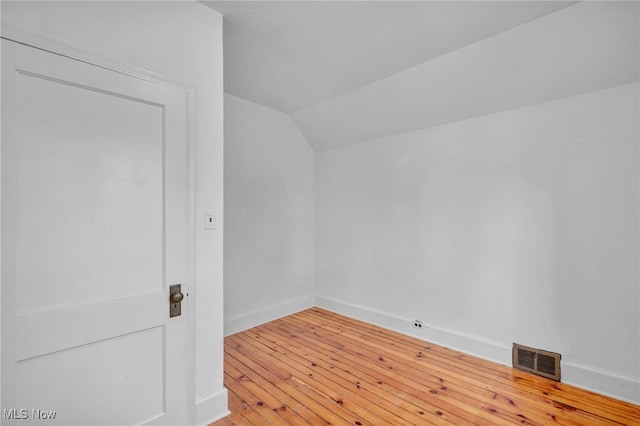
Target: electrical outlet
[(417, 324)]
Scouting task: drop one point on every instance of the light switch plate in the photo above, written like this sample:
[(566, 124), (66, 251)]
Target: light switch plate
[(209, 220)]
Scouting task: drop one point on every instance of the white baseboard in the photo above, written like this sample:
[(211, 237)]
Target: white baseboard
[(240, 323), (602, 382), (483, 348), (212, 408)]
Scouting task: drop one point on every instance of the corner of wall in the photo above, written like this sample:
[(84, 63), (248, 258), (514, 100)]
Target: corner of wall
[(270, 313), (304, 135)]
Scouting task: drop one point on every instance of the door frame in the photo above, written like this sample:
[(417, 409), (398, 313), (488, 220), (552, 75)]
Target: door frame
[(30, 39)]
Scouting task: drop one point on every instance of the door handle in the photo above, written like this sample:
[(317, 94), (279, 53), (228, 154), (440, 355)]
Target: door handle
[(175, 300), (177, 297)]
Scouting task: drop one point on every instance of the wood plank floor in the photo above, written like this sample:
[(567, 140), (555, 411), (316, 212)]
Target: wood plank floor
[(319, 368)]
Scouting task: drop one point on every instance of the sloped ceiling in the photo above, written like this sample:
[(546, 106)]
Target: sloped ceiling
[(348, 72)]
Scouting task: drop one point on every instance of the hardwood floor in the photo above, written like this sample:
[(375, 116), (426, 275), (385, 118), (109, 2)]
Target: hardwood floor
[(318, 368)]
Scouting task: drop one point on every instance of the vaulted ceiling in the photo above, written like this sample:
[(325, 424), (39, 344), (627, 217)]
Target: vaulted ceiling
[(350, 71)]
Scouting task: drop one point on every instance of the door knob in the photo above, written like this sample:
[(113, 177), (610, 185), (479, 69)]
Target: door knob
[(177, 297)]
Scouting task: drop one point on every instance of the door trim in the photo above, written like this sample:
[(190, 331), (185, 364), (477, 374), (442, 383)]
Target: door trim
[(27, 38), (18, 35)]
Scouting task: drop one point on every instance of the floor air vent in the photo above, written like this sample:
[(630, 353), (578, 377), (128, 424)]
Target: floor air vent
[(536, 361)]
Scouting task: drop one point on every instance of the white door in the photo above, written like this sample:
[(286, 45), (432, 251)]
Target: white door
[(95, 205)]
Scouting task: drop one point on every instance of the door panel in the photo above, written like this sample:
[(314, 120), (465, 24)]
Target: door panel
[(92, 166), (130, 366), (94, 230)]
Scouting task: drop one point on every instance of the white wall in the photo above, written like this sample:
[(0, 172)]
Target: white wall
[(520, 226), (182, 41), (269, 247)]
